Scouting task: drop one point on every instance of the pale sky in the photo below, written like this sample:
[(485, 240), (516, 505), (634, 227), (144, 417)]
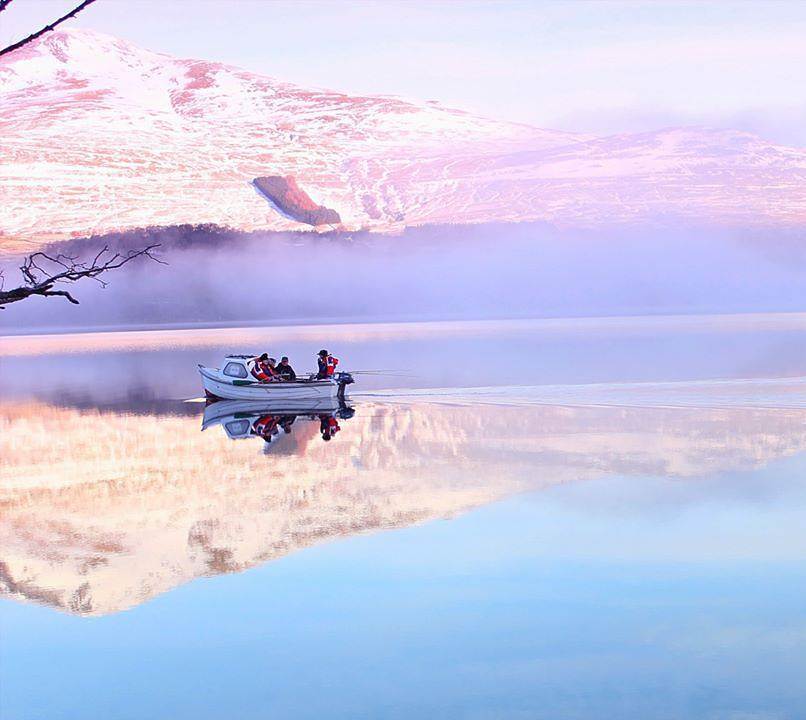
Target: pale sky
[(600, 67)]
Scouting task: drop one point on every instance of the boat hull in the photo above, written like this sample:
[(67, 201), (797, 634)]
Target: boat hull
[(216, 386)]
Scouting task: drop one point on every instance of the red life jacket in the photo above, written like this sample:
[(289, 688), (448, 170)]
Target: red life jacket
[(262, 371), (259, 374), (264, 425), (331, 365)]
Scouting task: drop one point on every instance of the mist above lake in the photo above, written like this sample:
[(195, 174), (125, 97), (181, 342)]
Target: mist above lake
[(484, 271)]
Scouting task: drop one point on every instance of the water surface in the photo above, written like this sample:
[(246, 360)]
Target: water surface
[(583, 520)]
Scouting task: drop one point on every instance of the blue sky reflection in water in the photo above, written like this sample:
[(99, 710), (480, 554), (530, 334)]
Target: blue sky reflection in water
[(505, 559)]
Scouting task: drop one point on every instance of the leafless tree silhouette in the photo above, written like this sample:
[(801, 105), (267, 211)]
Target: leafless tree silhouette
[(33, 36), (42, 272)]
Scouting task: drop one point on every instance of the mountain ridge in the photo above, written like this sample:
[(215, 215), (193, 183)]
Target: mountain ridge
[(101, 135)]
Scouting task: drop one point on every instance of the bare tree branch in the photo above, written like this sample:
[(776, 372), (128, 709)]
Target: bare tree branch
[(33, 36), (41, 272)]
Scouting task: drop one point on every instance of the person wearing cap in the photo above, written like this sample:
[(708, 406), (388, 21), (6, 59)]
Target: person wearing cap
[(327, 365), (285, 371), (322, 362)]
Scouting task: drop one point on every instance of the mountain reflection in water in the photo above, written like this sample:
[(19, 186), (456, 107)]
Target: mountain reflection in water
[(103, 509)]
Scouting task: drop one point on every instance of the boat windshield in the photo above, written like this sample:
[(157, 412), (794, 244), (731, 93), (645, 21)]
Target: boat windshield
[(235, 369)]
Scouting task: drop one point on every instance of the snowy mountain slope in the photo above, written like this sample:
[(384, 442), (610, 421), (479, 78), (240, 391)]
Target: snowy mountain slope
[(98, 135)]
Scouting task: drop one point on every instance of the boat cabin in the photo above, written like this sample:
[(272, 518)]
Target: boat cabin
[(238, 367)]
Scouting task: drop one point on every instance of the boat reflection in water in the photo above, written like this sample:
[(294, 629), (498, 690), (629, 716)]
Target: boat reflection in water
[(270, 421)]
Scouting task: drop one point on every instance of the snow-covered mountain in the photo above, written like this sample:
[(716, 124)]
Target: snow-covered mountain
[(97, 134)]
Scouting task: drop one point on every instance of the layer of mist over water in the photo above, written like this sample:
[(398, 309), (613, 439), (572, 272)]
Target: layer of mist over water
[(490, 271)]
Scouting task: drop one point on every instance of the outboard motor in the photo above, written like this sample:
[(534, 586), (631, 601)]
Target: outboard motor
[(343, 379)]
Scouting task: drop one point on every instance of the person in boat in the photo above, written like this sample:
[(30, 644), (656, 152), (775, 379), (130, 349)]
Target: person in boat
[(285, 371), (271, 367), (260, 368), (327, 365)]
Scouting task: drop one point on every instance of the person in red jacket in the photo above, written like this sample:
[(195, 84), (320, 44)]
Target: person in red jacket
[(264, 368), (327, 365), (259, 368)]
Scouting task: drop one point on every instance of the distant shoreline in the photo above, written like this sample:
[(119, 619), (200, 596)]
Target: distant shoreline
[(199, 335)]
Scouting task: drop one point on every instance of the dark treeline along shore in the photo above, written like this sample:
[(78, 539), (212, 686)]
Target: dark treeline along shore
[(219, 275)]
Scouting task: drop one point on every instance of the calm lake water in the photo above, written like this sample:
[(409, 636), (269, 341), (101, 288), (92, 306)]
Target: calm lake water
[(550, 519)]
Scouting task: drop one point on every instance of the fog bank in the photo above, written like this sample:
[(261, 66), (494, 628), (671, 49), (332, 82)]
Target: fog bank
[(488, 271)]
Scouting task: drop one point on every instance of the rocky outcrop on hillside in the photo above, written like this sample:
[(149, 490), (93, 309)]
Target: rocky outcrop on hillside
[(293, 201)]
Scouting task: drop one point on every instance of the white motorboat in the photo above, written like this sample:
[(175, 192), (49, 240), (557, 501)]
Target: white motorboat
[(235, 381)]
